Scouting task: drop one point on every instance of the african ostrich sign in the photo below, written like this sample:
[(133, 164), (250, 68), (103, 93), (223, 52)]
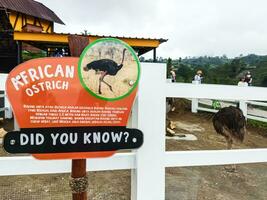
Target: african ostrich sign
[(74, 108)]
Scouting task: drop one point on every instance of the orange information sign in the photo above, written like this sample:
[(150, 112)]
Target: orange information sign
[(97, 90)]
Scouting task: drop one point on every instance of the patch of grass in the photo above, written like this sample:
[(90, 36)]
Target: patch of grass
[(257, 124), (26, 55)]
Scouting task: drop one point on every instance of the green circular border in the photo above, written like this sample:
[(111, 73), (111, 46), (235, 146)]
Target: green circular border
[(133, 54)]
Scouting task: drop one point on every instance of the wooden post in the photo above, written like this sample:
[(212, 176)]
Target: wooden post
[(78, 171), (19, 52), (154, 55)]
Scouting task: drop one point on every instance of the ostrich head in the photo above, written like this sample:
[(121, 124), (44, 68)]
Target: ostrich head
[(87, 67)]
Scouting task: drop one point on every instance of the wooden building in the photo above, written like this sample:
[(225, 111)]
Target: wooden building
[(32, 23)]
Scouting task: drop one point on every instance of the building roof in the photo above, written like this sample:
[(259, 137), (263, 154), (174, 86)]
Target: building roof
[(31, 7), (52, 40)]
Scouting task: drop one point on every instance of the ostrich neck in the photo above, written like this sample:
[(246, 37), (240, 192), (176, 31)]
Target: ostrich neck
[(122, 58)]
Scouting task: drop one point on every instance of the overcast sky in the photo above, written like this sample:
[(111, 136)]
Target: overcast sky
[(193, 27)]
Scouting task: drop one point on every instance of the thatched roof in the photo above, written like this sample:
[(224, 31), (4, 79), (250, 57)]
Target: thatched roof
[(31, 7)]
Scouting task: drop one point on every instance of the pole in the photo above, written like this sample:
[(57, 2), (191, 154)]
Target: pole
[(154, 55), (79, 181)]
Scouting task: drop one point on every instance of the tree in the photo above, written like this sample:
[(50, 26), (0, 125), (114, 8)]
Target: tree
[(185, 72), (236, 66), (264, 82), (169, 65)]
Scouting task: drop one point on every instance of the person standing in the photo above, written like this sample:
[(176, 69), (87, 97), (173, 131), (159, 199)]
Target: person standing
[(173, 75), (199, 76), (248, 78), (242, 82)]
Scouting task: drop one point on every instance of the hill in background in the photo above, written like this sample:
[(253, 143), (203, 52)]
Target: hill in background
[(221, 70)]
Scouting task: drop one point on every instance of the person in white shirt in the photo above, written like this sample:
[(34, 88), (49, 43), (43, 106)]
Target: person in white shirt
[(242, 82), (198, 77)]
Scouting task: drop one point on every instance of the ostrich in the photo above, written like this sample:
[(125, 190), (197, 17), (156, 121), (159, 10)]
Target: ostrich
[(230, 123), (106, 67)]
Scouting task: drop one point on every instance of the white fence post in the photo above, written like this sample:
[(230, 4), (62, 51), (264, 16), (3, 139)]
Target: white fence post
[(3, 78), (243, 107), (194, 105), (194, 101), (150, 169), (134, 124), (8, 111)]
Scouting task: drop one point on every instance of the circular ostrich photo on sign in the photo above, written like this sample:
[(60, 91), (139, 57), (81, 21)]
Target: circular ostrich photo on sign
[(109, 69)]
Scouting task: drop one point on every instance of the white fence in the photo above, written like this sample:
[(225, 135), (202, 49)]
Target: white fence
[(258, 114), (6, 108), (149, 162)]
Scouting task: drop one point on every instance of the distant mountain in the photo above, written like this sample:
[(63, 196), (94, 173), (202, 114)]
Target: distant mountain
[(253, 59), (203, 61), (250, 60)]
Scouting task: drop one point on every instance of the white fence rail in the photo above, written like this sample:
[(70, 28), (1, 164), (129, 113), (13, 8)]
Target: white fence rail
[(258, 114), (148, 163), (6, 108)]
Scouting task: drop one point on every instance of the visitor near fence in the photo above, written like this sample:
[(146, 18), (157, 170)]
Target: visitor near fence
[(242, 82), (248, 78), (198, 77), (173, 75)]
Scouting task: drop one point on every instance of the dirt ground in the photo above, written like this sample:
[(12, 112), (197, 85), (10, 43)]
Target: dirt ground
[(214, 182), (190, 183)]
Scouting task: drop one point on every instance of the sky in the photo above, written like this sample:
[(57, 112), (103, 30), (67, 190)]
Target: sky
[(192, 27)]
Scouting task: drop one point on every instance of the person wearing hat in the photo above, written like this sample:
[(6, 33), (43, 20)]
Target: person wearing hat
[(198, 77)]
